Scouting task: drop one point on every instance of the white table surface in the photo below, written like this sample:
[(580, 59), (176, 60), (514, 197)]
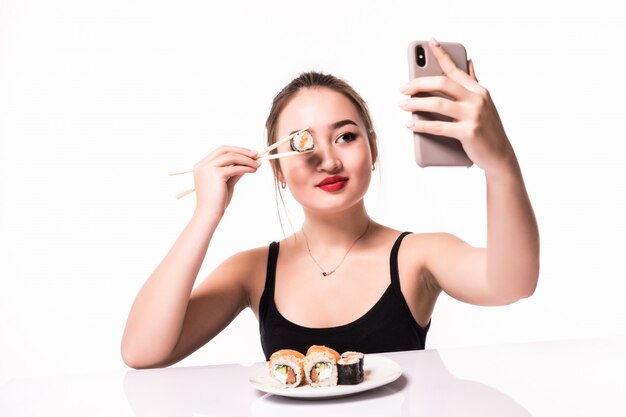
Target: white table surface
[(585, 377)]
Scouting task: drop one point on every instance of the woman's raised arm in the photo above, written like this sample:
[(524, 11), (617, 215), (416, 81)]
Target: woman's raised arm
[(157, 317), (508, 268)]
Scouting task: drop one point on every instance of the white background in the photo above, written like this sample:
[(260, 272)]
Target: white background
[(100, 99)]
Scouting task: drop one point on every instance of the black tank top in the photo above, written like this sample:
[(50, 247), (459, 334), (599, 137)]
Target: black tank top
[(387, 327)]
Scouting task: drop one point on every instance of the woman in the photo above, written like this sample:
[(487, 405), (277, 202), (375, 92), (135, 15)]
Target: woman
[(343, 280)]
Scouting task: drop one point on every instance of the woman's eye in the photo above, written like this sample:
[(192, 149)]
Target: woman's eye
[(346, 137)]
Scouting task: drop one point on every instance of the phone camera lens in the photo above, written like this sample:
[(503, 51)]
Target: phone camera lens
[(420, 56)]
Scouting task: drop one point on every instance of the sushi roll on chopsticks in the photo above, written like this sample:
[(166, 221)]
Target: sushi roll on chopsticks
[(320, 366), (286, 368), (350, 368), (302, 142)]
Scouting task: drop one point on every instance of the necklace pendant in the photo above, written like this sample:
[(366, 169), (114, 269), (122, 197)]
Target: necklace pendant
[(324, 273)]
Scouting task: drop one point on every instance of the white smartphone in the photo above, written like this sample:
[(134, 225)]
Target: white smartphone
[(432, 150)]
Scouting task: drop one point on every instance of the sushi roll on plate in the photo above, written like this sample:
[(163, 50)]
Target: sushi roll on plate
[(320, 366), (286, 368), (350, 368)]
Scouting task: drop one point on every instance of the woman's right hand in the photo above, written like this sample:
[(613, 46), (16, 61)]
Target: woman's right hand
[(215, 177)]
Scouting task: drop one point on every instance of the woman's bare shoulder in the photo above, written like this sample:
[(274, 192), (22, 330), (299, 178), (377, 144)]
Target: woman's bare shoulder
[(242, 272), (248, 259), (432, 238), (423, 247)]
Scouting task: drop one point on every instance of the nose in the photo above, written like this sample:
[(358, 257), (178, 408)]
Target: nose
[(329, 161)]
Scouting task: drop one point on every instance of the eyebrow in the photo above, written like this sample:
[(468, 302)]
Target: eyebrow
[(337, 125)]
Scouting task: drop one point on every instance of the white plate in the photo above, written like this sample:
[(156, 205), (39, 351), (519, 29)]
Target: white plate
[(378, 370)]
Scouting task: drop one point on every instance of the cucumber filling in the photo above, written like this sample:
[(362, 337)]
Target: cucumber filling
[(321, 371)]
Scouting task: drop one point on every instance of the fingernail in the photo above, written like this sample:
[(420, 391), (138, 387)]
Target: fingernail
[(403, 103), (405, 88), (410, 123), (434, 42)]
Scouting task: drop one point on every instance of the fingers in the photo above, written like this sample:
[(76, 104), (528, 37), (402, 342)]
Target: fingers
[(232, 150), (447, 64), (224, 164), (235, 172), (451, 70), (432, 104), (229, 155), (437, 127), (234, 179), (455, 94), (472, 72), (440, 84), (233, 158)]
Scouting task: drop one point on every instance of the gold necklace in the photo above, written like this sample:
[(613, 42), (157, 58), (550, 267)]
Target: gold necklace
[(324, 273)]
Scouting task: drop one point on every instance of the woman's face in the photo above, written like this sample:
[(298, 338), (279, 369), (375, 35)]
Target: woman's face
[(336, 175)]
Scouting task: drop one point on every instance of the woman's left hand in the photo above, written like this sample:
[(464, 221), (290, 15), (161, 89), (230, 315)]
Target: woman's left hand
[(475, 121)]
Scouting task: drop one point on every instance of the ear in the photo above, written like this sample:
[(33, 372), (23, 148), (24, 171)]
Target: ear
[(277, 171), (373, 146)]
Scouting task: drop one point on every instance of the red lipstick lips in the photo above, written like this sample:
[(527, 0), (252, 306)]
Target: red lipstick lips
[(333, 183)]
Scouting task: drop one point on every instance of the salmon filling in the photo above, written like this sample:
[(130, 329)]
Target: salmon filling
[(321, 371)]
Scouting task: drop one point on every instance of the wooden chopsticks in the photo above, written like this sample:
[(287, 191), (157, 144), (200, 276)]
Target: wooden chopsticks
[(263, 155)]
